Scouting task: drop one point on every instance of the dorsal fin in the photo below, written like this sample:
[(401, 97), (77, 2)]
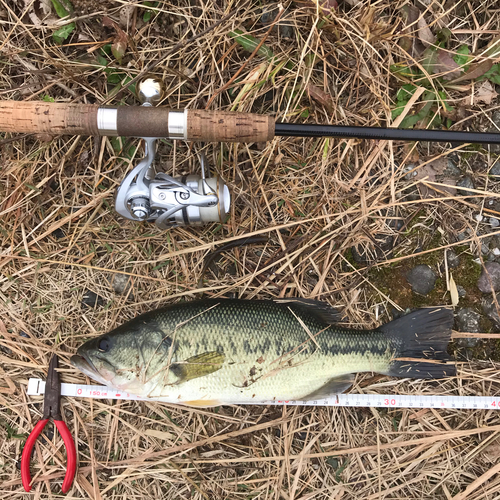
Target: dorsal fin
[(321, 310)]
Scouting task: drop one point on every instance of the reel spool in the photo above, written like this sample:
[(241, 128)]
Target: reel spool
[(191, 200)]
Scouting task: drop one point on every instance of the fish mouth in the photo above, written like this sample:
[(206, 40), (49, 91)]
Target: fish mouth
[(85, 366)]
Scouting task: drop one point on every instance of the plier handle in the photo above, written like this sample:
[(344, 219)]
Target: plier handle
[(51, 409)]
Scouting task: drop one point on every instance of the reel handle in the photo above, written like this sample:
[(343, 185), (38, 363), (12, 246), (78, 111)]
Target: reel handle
[(135, 121)]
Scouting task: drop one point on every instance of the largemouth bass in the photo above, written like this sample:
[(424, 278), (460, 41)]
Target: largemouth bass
[(221, 351)]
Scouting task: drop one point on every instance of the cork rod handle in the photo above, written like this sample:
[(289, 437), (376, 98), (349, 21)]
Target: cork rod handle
[(48, 118), (135, 121)]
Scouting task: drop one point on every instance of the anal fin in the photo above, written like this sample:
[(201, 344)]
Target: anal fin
[(335, 385), (200, 403)]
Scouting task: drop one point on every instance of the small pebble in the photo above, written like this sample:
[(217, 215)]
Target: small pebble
[(367, 255), (121, 283), (461, 291), (496, 252), (7, 351), (422, 279), (479, 217), (467, 320), (407, 171), (91, 299), (451, 169), (467, 183), (490, 308), (494, 222), (489, 281), (495, 169), (453, 259), (485, 249), (58, 234)]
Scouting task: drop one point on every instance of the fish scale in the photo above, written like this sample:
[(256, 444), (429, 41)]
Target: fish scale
[(218, 351)]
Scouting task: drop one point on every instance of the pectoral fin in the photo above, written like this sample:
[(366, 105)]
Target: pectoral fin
[(198, 366), (335, 385)]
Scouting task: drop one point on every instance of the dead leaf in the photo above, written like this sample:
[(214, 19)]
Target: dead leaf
[(435, 171), (484, 93), (120, 42), (166, 436), (410, 42), (40, 12), (320, 96), (253, 76), (475, 71), (453, 292), (127, 15), (424, 32), (492, 451), (445, 64)]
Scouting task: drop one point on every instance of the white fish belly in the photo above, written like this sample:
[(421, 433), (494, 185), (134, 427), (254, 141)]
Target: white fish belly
[(251, 382)]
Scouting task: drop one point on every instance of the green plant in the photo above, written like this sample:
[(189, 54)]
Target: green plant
[(63, 9)]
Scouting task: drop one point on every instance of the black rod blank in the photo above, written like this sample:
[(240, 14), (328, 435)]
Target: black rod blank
[(389, 134)]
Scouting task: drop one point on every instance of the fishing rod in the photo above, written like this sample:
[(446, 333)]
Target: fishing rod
[(194, 199), (194, 125)]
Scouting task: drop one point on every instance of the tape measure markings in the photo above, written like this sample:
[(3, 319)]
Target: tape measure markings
[(36, 387)]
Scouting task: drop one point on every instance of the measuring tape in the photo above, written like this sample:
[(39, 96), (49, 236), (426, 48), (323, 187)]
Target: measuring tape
[(36, 387)]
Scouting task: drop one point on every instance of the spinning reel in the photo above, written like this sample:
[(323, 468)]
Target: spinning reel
[(166, 200)]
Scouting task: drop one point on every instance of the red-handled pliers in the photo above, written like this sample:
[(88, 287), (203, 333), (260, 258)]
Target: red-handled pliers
[(51, 408)]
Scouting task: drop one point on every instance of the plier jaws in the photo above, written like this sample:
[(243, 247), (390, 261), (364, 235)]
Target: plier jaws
[(51, 409)]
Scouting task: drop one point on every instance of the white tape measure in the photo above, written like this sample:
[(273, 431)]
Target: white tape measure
[(36, 387)]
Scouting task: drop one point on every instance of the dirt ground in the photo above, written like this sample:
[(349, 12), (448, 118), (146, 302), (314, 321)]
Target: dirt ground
[(344, 221)]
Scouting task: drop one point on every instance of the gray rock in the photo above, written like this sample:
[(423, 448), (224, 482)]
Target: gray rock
[(451, 169), (368, 254), (453, 259), (461, 291), (422, 279), (395, 224), (495, 169), (490, 308), (91, 300), (495, 148), (485, 249), (468, 183), (489, 281), (467, 320), (285, 28), (121, 284), (493, 203), (409, 176), (495, 241)]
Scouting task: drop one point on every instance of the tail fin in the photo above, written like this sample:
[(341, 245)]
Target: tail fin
[(422, 334)]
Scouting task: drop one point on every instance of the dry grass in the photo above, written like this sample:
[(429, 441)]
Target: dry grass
[(314, 199)]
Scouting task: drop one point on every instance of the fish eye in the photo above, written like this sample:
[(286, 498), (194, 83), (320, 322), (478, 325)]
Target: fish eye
[(104, 345)]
